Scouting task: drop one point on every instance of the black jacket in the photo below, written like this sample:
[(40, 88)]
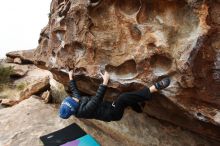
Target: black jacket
[(94, 107)]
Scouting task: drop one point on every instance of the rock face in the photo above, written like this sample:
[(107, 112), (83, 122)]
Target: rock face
[(17, 60), (26, 80), (35, 87), (26, 56), (18, 70), (46, 96), (8, 102), (36, 119), (139, 42)]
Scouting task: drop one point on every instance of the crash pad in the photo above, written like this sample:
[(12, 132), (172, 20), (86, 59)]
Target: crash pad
[(62, 136), (86, 140)]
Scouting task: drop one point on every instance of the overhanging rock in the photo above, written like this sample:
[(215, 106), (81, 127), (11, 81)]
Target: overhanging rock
[(139, 42)]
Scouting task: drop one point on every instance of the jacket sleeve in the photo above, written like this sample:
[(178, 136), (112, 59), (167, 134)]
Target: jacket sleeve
[(94, 102), (74, 89)]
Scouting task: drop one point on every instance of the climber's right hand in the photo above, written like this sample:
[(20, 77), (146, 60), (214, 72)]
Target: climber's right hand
[(105, 77), (71, 74)]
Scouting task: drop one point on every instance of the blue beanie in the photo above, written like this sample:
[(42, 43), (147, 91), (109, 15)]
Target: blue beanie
[(68, 107)]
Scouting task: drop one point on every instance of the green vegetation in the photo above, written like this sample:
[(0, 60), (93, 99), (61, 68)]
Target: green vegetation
[(5, 73), (21, 86)]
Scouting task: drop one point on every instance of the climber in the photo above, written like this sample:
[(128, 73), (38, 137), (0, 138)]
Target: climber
[(95, 107)]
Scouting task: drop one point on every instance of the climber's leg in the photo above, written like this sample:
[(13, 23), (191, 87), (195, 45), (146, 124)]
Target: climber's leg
[(131, 98)]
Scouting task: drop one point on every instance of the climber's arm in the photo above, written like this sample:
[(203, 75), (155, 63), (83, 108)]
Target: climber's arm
[(73, 86), (97, 99)]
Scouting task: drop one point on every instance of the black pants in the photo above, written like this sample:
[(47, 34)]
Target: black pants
[(129, 99)]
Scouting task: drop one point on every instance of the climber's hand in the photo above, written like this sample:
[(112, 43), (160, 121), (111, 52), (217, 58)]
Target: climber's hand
[(71, 74), (105, 77)]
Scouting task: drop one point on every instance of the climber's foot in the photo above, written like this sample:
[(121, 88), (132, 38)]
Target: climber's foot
[(162, 84)]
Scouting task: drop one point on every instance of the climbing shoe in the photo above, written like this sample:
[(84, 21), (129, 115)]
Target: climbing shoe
[(162, 84)]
